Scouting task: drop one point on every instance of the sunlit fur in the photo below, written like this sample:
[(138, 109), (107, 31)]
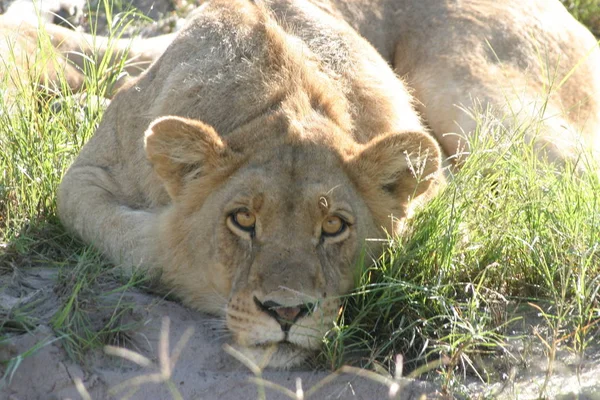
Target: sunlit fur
[(53, 56), (280, 108), (259, 119)]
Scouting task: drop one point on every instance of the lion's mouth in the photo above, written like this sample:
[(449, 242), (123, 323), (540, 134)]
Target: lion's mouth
[(281, 348), (282, 354), (284, 344), (288, 348), (282, 333)]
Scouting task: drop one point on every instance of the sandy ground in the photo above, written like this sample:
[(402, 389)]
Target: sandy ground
[(203, 370)]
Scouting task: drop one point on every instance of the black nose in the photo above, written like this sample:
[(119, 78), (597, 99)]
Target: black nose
[(286, 316)]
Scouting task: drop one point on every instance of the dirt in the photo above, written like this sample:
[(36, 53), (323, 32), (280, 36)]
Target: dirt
[(203, 371)]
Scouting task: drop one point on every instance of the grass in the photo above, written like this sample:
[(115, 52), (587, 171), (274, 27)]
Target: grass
[(587, 12), (509, 236), (42, 129), (93, 306), (509, 230)]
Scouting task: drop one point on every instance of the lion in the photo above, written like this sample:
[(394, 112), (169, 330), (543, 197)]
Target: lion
[(251, 163)]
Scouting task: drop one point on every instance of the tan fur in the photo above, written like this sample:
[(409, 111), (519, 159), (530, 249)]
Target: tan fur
[(44, 54), (281, 110)]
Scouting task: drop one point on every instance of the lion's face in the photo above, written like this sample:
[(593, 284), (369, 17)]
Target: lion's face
[(291, 227), (269, 231)]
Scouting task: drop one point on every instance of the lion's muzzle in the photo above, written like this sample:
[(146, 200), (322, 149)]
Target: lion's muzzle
[(284, 315)]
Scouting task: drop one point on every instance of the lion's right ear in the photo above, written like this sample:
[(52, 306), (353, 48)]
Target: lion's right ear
[(394, 169), (181, 148)]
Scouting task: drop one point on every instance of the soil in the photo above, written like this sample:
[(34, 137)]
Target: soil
[(203, 371)]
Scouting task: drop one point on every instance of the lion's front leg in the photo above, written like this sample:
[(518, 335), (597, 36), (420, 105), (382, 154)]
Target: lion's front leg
[(89, 205)]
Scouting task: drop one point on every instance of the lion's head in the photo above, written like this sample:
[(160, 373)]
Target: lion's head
[(267, 228)]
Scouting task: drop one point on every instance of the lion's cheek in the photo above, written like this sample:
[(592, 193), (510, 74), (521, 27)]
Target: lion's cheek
[(204, 286), (340, 265), (190, 267)]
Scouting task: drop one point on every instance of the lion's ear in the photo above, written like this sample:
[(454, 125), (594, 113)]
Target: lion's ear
[(400, 165), (179, 147)]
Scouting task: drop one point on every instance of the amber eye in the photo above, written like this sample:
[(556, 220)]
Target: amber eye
[(333, 226), (244, 219)]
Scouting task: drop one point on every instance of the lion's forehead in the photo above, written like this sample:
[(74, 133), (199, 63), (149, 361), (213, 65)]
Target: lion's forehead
[(292, 189)]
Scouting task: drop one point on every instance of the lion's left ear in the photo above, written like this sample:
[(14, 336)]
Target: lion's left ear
[(401, 165), (179, 148)]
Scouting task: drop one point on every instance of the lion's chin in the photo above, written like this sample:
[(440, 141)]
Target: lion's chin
[(282, 355)]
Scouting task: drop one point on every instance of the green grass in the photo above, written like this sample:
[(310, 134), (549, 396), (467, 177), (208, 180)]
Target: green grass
[(509, 235), (94, 306), (587, 12), (507, 231), (42, 129)]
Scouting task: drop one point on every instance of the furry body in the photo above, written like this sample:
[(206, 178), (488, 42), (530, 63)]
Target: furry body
[(229, 164)]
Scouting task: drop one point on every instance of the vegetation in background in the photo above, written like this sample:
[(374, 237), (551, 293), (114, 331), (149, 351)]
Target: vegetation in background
[(587, 12)]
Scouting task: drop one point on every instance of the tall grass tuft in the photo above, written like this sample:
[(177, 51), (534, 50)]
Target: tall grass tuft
[(509, 231), (42, 129)]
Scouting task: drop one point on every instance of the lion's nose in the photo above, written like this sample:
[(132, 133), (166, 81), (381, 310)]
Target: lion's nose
[(286, 316)]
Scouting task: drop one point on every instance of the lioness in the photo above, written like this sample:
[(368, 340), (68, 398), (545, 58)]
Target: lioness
[(251, 162)]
